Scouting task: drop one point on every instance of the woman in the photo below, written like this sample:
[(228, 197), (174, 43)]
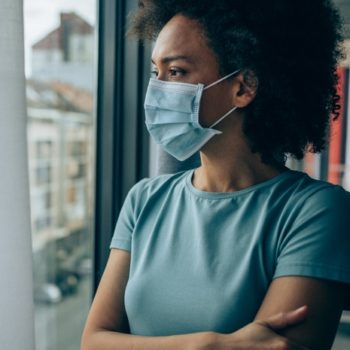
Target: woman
[(201, 256)]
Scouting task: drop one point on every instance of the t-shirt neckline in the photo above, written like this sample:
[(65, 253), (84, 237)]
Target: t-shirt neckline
[(220, 195)]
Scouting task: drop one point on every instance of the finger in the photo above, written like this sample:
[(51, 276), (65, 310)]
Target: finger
[(296, 316), (285, 319)]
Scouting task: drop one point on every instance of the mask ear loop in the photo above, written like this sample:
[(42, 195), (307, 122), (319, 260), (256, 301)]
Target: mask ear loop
[(217, 82), (223, 117), (220, 80)]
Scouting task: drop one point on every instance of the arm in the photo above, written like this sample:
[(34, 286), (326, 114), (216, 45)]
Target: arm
[(315, 242), (325, 300), (107, 325)]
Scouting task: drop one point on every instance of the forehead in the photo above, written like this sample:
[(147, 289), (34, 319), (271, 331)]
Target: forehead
[(185, 37)]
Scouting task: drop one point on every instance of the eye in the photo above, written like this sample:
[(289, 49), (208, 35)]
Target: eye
[(176, 72), (154, 73)]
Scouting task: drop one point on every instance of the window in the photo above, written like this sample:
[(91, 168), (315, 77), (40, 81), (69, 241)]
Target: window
[(44, 149), (61, 51), (43, 175)]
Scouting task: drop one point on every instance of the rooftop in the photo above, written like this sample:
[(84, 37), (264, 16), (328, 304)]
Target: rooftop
[(71, 23), (58, 95)]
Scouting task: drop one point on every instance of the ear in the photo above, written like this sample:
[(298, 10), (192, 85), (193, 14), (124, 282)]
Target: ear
[(245, 88)]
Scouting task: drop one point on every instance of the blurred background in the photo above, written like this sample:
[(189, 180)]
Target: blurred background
[(87, 146), (61, 57)]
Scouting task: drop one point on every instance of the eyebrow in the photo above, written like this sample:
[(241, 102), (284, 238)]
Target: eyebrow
[(169, 59)]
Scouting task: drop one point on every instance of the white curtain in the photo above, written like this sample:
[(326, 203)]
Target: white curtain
[(16, 291)]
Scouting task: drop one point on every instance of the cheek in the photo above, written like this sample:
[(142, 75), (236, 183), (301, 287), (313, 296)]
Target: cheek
[(213, 106)]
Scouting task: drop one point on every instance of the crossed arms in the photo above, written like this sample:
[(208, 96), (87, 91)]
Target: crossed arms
[(274, 328)]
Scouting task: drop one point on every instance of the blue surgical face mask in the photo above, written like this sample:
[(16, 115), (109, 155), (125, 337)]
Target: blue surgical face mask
[(172, 110)]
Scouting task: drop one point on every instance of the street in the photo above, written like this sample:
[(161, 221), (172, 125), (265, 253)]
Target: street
[(59, 326)]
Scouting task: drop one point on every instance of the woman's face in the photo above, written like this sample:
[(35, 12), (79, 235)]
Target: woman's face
[(181, 54)]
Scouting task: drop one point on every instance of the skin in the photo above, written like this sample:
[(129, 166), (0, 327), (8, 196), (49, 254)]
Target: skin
[(227, 165)]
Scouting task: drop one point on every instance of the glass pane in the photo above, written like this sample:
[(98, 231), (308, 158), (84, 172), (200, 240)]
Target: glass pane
[(60, 43)]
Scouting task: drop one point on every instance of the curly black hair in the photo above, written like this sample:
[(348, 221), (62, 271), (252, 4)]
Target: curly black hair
[(293, 48)]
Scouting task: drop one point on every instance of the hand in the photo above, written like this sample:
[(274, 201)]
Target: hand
[(260, 334)]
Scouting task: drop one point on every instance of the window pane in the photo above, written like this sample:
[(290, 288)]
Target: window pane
[(60, 39)]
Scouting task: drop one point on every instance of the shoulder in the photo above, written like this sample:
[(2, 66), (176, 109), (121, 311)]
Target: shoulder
[(157, 185), (314, 240), (315, 221), (308, 195)]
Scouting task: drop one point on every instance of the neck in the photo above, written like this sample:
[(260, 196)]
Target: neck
[(228, 165), (218, 177)]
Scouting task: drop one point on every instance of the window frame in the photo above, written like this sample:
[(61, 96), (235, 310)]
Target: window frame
[(122, 141)]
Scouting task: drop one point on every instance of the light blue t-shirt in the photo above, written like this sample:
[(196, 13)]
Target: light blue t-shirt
[(203, 261)]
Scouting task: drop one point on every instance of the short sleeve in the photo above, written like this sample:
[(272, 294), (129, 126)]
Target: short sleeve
[(317, 240), (124, 227)]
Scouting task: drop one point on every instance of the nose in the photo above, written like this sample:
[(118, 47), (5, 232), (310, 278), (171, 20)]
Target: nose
[(161, 75)]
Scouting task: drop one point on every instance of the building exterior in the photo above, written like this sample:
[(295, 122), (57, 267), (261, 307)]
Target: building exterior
[(66, 54), (61, 163)]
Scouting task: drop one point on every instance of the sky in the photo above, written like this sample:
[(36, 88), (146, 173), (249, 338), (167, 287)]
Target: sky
[(42, 16)]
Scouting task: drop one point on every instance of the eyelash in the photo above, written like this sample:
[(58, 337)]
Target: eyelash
[(154, 73)]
